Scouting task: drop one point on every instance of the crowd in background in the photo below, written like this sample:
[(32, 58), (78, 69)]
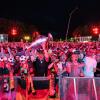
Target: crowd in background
[(16, 53), (71, 59)]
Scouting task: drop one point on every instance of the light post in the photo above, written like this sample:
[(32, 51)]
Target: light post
[(27, 38), (96, 31), (70, 15)]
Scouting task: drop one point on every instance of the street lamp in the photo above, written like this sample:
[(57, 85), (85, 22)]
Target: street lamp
[(96, 31), (27, 38), (14, 33), (70, 15)]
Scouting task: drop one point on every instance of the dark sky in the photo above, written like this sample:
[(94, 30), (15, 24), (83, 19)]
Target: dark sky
[(51, 15)]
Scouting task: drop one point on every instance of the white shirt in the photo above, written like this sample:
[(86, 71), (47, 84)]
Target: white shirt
[(60, 68), (90, 64)]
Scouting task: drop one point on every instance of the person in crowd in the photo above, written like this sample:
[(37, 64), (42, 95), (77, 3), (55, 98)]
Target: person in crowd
[(42, 61), (17, 65), (62, 64), (26, 75), (39, 62), (2, 64), (90, 64), (53, 70), (75, 68)]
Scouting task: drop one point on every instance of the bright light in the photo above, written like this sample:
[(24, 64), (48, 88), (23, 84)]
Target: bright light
[(14, 32), (95, 30), (27, 38), (2, 37)]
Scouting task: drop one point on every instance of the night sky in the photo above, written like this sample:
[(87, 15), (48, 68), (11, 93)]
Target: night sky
[(51, 15)]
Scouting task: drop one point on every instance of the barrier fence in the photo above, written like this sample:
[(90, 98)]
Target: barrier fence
[(70, 88), (79, 88)]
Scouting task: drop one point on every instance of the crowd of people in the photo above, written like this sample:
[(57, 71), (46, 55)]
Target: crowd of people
[(70, 59)]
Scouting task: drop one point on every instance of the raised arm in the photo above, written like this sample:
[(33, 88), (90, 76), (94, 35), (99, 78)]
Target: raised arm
[(45, 51)]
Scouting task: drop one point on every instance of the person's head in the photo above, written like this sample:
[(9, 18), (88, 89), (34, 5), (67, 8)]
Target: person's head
[(74, 57), (53, 57), (63, 57), (17, 58)]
